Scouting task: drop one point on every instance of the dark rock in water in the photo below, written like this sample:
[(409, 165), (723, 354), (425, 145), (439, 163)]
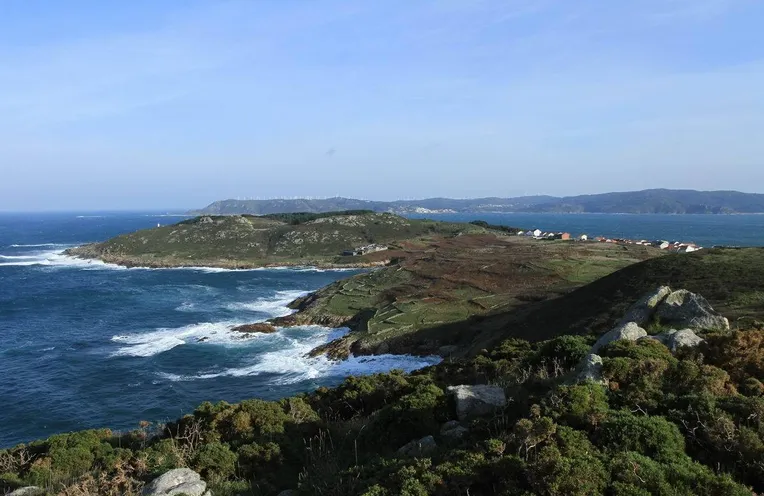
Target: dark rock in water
[(262, 327), (202, 339)]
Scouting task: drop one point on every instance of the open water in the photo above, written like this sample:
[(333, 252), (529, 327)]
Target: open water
[(86, 344)]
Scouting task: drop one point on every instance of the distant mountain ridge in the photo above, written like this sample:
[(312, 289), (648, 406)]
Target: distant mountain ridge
[(651, 201)]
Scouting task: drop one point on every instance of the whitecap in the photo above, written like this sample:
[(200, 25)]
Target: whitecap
[(291, 363), (17, 257), (186, 306), (57, 258), (275, 306), (38, 245), (146, 344)]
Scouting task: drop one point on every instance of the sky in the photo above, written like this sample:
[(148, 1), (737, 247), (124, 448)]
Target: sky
[(177, 103)]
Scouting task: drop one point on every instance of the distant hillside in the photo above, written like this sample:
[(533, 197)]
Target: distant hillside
[(656, 201), (653, 201), (263, 207), (243, 241)]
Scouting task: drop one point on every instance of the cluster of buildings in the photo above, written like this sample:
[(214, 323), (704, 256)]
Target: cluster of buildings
[(364, 250), (674, 246), (539, 234)]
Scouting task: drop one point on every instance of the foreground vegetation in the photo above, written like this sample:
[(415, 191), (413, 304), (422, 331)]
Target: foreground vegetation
[(690, 424)]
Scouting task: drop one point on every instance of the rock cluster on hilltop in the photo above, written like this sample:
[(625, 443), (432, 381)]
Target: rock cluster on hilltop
[(683, 309)]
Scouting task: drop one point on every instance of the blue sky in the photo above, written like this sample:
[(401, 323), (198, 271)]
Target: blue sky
[(147, 104)]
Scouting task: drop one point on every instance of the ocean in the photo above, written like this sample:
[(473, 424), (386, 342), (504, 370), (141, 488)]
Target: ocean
[(86, 344)]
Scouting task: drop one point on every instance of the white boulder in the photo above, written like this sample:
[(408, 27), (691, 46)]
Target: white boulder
[(177, 481), (643, 310), (629, 331), (475, 401), (689, 310)]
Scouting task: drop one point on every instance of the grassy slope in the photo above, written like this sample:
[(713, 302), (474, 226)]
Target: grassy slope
[(249, 241), (689, 424), (439, 286)]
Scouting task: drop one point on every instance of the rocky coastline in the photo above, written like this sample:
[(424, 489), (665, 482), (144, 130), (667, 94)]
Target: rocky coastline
[(89, 252)]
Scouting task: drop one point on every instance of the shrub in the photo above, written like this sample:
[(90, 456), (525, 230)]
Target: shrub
[(215, 460), (651, 436), (582, 406)]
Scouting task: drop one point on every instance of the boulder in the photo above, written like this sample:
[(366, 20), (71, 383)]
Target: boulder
[(590, 369), (677, 339), (177, 481), (419, 447), (287, 492), (474, 401), (453, 429), (690, 310), (262, 327), (641, 312), (629, 331), (28, 491)]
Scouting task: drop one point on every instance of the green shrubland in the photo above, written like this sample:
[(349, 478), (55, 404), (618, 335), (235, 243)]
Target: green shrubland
[(684, 424)]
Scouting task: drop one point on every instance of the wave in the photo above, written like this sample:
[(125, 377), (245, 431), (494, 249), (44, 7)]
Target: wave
[(186, 306), (148, 344), (57, 258), (39, 245), (275, 306), (291, 364), (17, 257)]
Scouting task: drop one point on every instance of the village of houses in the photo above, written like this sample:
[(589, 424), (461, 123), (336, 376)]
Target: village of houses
[(674, 246), (538, 234)]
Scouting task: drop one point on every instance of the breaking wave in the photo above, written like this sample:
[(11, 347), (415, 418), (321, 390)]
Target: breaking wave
[(289, 361)]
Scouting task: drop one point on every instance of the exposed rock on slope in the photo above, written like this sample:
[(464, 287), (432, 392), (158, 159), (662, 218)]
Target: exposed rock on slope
[(176, 482)]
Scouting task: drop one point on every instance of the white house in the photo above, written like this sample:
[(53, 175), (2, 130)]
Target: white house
[(584, 237), (537, 233)]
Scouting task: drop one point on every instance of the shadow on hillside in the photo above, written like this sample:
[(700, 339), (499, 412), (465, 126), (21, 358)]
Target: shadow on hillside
[(731, 279)]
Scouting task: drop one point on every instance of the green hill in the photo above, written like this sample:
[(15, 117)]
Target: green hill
[(428, 298), (685, 422), (242, 241)]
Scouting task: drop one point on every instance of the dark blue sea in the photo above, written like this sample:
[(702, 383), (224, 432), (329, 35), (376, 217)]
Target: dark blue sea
[(93, 345), (85, 344)]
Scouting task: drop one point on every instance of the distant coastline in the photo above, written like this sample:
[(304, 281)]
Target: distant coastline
[(654, 201)]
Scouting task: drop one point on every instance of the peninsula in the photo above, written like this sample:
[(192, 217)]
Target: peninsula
[(335, 239), (650, 201)]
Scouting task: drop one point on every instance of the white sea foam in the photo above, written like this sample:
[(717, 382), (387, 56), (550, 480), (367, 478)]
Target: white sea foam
[(38, 245), (291, 363), (17, 257), (56, 258), (152, 343), (186, 306), (275, 306)]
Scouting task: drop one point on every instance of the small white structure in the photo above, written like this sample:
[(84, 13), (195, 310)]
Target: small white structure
[(520, 233), (537, 233), (584, 237)]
